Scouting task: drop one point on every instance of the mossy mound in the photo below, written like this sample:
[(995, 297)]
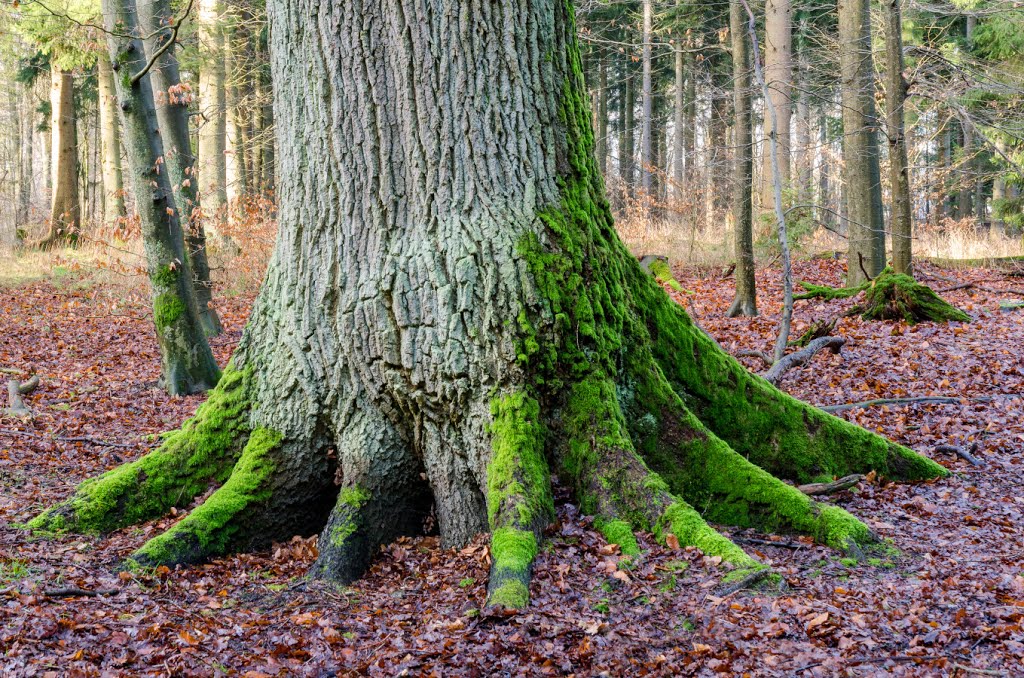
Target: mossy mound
[(891, 296)]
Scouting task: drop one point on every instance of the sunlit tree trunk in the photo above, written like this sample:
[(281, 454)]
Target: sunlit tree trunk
[(647, 103), (26, 156), (213, 126), (65, 203), (113, 178), (899, 174), (778, 74)]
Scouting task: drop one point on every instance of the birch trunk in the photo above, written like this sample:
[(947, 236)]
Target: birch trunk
[(213, 128)]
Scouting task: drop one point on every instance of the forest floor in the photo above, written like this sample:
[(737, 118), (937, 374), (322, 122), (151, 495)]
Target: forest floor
[(951, 604)]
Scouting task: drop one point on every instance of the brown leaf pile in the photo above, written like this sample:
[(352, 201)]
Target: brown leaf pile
[(954, 598)]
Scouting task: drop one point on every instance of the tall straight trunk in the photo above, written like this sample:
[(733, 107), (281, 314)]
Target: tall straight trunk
[(647, 97), (238, 184), (187, 363), (268, 179), (999, 188), (718, 160), (113, 177), (803, 151), (601, 146), (745, 301), (679, 120), (866, 253), (26, 156), (899, 174), (65, 203), (778, 74), (965, 171), (627, 148), (690, 121), (155, 16), (826, 213), (213, 177), (948, 205)]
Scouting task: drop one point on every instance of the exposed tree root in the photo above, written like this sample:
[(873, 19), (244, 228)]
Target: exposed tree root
[(775, 374), (16, 406)]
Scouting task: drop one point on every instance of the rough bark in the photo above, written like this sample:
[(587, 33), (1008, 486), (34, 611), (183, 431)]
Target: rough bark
[(65, 204), (187, 364), (113, 177), (778, 71), (213, 128), (679, 115), (899, 175), (745, 301), (449, 316), (866, 253), (647, 103), (156, 18), (627, 146)]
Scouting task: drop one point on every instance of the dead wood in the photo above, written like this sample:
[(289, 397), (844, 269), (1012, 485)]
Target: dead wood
[(774, 375), (831, 487)]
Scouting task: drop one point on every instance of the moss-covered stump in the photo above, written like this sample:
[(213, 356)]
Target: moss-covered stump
[(891, 296)]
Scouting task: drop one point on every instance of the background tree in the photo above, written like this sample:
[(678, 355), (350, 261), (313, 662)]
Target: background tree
[(745, 301)]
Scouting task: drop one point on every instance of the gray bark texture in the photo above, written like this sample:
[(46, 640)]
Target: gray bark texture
[(213, 176), (187, 364), (745, 301), (110, 134), (65, 203), (778, 73), (899, 174), (647, 103), (863, 191)]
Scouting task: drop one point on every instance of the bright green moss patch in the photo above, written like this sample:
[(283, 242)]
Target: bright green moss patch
[(828, 293), (518, 479), (352, 498), (166, 277), (209, 529), (659, 268), (512, 594), (691, 530), (513, 549), (167, 309), (619, 532), (893, 296), (201, 452)]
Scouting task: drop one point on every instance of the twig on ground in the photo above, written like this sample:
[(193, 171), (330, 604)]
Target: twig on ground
[(774, 375), (957, 666), (79, 593), (749, 580), (66, 439), (750, 353), (962, 453), (940, 400)]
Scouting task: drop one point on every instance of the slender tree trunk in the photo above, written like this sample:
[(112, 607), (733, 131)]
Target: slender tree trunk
[(999, 190), (826, 213), (267, 132), (745, 301), (381, 374), (213, 128), (899, 174), (778, 70), (65, 203), (803, 150), (647, 96), (627, 149), (679, 121), (965, 172), (866, 254), (238, 179), (602, 118), (113, 178), (187, 364), (26, 156), (172, 102), (690, 123)]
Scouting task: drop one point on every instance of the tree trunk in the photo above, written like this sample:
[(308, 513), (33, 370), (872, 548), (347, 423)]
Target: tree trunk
[(826, 212), (803, 150), (65, 204), (999, 189), (113, 178), (679, 115), (238, 179), (156, 17), (443, 323), (745, 301), (866, 254), (627, 148), (778, 73), (213, 128), (602, 118), (26, 156), (647, 104), (187, 364), (899, 174), (690, 124)]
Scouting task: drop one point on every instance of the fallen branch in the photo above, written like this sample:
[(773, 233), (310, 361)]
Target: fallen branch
[(751, 579), (831, 487), (750, 353), (79, 593), (16, 406), (940, 400), (66, 439), (982, 672), (962, 453), (983, 288), (774, 375)]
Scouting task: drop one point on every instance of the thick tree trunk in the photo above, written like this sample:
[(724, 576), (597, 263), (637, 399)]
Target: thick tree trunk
[(65, 204), (745, 301), (866, 253), (778, 74), (899, 174), (187, 364), (113, 178), (213, 177), (443, 322), (156, 18)]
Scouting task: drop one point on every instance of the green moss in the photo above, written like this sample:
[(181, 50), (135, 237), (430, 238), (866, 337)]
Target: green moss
[(513, 594), (518, 479), (354, 498), (828, 293), (659, 268), (211, 527), (513, 549), (203, 451), (166, 277), (167, 309), (690, 529), (899, 297), (619, 532)]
